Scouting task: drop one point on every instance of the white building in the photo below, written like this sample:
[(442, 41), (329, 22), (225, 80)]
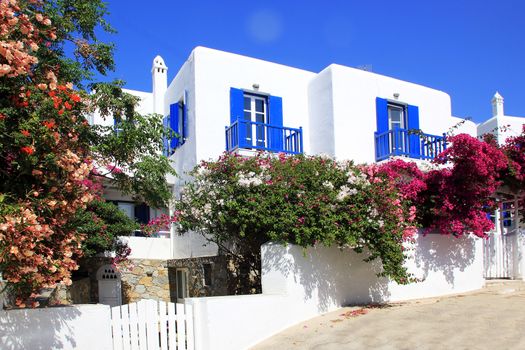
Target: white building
[(220, 101)]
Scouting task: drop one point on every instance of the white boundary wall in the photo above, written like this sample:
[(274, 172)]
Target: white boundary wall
[(80, 327), (298, 285)]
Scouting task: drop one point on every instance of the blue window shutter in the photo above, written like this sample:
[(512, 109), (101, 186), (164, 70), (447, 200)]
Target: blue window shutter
[(185, 118), (381, 114), (165, 140), (413, 124), (174, 124), (237, 113), (142, 213), (236, 104), (275, 108)]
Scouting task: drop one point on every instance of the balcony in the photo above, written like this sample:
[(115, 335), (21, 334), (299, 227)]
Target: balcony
[(402, 142), (245, 134)]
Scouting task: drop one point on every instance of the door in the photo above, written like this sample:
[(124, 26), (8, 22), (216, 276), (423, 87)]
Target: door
[(397, 120), (255, 111), (182, 284), (109, 286)]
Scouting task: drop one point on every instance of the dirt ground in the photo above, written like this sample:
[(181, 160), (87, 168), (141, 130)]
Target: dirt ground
[(492, 318)]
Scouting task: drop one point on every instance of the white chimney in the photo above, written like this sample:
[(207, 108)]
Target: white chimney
[(497, 105), (159, 75)]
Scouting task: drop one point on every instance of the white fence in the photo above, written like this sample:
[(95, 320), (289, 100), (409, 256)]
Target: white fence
[(151, 324)]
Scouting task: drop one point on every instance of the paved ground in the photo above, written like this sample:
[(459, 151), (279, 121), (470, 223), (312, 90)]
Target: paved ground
[(493, 318)]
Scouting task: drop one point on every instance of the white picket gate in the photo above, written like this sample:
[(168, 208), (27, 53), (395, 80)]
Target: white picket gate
[(152, 325), (498, 255)]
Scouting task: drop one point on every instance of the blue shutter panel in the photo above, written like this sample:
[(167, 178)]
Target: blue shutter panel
[(275, 108), (237, 113), (185, 118), (236, 104), (174, 125), (165, 140), (413, 124), (381, 114)]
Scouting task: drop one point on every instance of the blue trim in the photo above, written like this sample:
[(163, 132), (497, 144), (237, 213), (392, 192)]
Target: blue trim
[(174, 125), (381, 114), (394, 143), (275, 116), (293, 137), (413, 125), (237, 111), (165, 139), (185, 118)]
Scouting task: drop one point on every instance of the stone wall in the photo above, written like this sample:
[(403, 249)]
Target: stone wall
[(148, 279), (220, 276)]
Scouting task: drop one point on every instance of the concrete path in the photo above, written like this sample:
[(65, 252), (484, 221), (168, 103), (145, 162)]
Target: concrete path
[(492, 318)]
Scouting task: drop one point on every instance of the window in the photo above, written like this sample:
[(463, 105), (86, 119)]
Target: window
[(507, 216), (256, 121), (396, 116), (117, 126), (182, 283), (391, 116), (206, 274), (139, 212), (177, 121), (255, 111)]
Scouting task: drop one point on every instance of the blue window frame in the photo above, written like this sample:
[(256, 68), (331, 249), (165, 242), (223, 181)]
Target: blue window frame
[(259, 119), (396, 126), (177, 121)]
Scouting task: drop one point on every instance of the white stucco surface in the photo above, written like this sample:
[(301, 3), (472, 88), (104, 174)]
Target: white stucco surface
[(192, 245), (298, 285), (155, 248), (80, 327)]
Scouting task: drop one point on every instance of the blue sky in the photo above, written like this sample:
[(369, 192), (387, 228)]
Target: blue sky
[(468, 49)]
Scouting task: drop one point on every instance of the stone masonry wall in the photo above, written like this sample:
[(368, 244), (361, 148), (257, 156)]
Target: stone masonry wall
[(196, 288), (148, 279)]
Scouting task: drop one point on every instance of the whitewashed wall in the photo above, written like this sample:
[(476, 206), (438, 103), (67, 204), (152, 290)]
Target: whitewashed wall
[(349, 110), (462, 126), (80, 327), (145, 106), (502, 126), (298, 285), (157, 248), (192, 245), (217, 71)]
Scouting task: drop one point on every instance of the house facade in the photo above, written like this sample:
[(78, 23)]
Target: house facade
[(220, 101)]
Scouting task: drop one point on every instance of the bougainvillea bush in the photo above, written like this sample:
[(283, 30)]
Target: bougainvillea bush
[(242, 202), (454, 197), (48, 150)]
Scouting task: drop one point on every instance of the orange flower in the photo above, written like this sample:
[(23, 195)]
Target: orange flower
[(50, 124), (75, 97), (28, 150), (25, 133), (67, 105)]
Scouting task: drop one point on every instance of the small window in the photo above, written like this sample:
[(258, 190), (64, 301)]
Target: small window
[(182, 283), (507, 214), (207, 274), (396, 116)]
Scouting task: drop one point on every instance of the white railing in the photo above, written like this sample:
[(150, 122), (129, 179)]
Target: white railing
[(151, 324)]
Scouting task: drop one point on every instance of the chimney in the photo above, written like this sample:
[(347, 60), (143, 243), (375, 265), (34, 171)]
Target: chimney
[(497, 105), (159, 75)]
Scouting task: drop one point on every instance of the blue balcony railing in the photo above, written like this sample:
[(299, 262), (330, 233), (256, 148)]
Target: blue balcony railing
[(402, 142), (244, 134)]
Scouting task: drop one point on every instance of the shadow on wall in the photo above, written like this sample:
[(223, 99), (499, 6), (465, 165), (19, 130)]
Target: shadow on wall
[(37, 329), (435, 252), (328, 277)]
